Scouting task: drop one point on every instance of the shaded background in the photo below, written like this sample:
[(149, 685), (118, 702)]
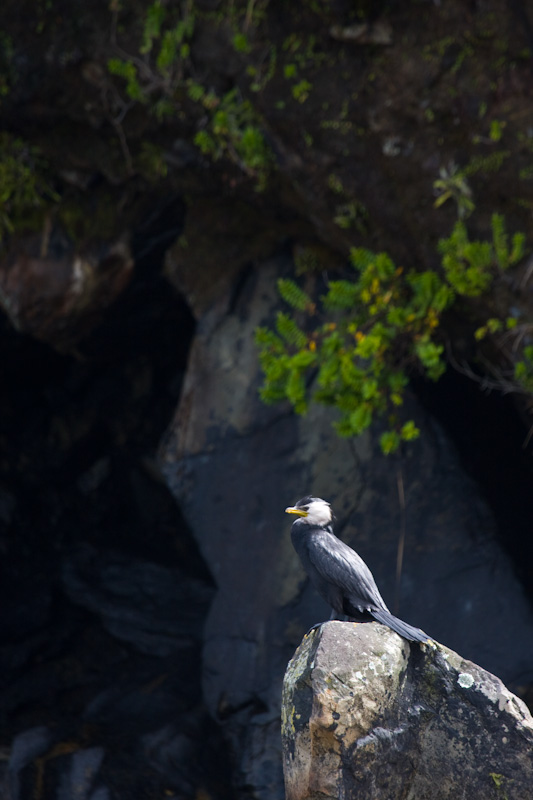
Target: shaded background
[(150, 595)]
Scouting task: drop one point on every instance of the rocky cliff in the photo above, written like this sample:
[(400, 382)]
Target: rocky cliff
[(161, 166)]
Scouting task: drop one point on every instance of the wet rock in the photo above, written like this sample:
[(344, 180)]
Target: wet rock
[(367, 715), (57, 294)]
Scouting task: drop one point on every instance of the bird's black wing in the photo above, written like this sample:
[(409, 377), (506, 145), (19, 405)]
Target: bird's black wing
[(337, 563)]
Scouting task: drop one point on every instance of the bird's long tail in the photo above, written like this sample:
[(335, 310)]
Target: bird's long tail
[(400, 627)]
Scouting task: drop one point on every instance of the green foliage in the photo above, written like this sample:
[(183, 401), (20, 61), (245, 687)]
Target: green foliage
[(303, 54), (253, 150), (128, 71), (389, 442), (198, 94), (293, 295), (335, 184), (452, 185), (470, 265), (263, 73), (300, 91), (499, 783), (367, 333), (233, 131), (484, 164), (158, 77), (523, 370), (306, 259), (290, 71), (241, 43), (355, 349), (22, 183), (496, 130), (351, 215), (289, 331), (164, 50), (175, 45), (430, 354), (153, 23)]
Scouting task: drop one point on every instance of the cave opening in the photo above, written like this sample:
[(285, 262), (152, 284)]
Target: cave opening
[(78, 479)]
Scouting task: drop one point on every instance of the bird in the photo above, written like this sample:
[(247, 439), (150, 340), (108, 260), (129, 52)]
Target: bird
[(338, 573)]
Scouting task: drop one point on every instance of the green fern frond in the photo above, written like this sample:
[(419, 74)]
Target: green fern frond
[(293, 295), (289, 330), (296, 392), (385, 267), (341, 294), (518, 250), (360, 258)]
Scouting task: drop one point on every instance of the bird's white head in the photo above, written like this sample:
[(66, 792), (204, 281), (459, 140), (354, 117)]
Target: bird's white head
[(313, 510)]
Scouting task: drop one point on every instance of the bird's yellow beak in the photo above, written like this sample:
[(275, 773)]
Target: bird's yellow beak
[(298, 511)]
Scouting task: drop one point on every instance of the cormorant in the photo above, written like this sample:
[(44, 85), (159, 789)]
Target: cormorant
[(340, 576)]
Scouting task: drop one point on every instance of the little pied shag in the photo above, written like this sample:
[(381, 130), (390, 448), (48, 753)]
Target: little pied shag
[(339, 575)]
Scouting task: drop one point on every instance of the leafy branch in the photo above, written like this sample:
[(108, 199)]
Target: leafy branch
[(358, 343), (22, 183), (355, 348), (160, 76)]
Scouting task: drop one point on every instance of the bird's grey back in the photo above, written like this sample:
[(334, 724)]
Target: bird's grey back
[(335, 569)]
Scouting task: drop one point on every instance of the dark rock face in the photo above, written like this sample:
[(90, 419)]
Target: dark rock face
[(138, 601), (103, 592), (110, 680), (367, 715), (234, 465), (59, 295)]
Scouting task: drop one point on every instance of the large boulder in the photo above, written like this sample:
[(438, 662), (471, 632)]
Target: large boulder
[(366, 715)]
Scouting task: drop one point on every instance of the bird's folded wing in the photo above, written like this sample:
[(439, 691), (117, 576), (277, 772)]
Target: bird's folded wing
[(339, 564)]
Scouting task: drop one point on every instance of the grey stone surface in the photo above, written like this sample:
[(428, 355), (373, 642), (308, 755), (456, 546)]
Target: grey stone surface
[(137, 600), (366, 715)]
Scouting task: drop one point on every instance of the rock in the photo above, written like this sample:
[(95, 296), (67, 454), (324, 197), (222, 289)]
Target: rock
[(154, 608), (57, 294), (379, 33), (367, 715), (227, 460), (217, 232), (26, 747), (234, 465)]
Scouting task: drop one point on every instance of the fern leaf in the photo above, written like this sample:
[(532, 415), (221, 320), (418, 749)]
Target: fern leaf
[(341, 294), (518, 249), (293, 295), (267, 341), (360, 258), (296, 392), (289, 330), (384, 266)]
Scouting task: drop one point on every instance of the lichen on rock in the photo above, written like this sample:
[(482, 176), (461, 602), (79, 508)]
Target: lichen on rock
[(365, 714)]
